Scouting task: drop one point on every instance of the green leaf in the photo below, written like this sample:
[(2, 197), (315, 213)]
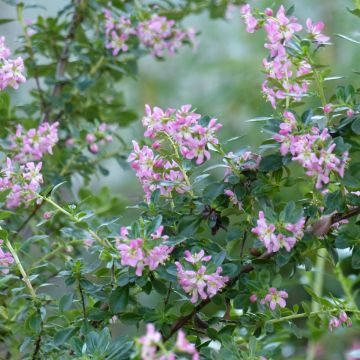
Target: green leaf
[(56, 187), (119, 299), (35, 322), (291, 214), (62, 336), (189, 225), (355, 259), (5, 21), (355, 126), (334, 201), (317, 298), (214, 190), (159, 286), (4, 214), (271, 163), (348, 38), (66, 302), (4, 104)]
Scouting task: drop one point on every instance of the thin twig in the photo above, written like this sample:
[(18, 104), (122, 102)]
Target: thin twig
[(82, 300), (245, 269), (65, 54), (37, 343)]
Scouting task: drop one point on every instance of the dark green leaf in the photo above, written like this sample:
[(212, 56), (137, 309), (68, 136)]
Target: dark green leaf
[(119, 299)]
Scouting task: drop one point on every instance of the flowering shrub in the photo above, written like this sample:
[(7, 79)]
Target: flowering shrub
[(204, 267)]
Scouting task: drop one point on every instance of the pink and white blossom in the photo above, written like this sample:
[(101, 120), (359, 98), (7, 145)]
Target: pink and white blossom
[(274, 298), (196, 281)]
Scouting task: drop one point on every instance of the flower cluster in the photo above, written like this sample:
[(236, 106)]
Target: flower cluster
[(156, 172), (188, 133), (21, 174), (22, 181), (99, 136), (273, 239), (286, 75), (188, 130), (313, 150), (196, 282), (151, 347), (141, 252), (339, 321), (6, 259), (274, 298), (11, 70), (35, 143), (158, 34)]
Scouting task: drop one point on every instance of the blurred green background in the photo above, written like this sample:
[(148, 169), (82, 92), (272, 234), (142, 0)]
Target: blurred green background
[(222, 79)]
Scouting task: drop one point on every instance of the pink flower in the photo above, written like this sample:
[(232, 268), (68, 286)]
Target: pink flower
[(11, 71), (152, 348), (334, 323), (140, 253), (273, 238), (183, 345), (197, 282), (253, 298), (197, 257), (88, 242), (4, 51), (274, 298), (158, 234), (118, 32), (233, 198), (315, 31), (149, 342), (35, 143), (327, 108), (90, 138), (6, 259), (132, 254), (266, 234), (314, 151), (161, 35), (94, 148), (23, 181), (181, 128), (46, 215), (123, 232), (250, 20), (158, 255)]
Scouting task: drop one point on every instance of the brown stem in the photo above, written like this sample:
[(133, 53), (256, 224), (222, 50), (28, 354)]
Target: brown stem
[(28, 46), (82, 301), (343, 216), (183, 320), (64, 56), (26, 221), (37, 344)]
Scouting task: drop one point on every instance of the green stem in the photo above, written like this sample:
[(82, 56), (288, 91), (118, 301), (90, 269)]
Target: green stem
[(103, 242), (186, 178), (308, 315), (53, 252), (22, 270), (318, 81), (318, 288)]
